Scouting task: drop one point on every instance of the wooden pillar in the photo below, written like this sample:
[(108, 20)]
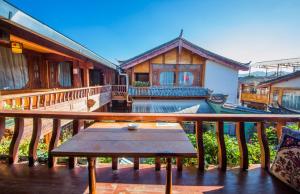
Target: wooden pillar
[(75, 73), (16, 139), (240, 133), (36, 133), (157, 164), (279, 127), (54, 141), (114, 163), (86, 77)]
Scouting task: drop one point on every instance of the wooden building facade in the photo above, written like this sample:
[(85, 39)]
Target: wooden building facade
[(180, 63)]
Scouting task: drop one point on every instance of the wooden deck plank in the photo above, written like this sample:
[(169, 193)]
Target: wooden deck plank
[(20, 179)]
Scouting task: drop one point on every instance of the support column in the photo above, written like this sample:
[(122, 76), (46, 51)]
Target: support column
[(86, 77)]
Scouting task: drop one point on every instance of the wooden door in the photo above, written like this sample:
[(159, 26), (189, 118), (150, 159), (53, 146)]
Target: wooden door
[(52, 75)]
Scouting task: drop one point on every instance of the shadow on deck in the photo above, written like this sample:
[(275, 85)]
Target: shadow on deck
[(20, 178)]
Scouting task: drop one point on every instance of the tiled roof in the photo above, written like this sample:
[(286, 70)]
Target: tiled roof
[(185, 44), (280, 79), (163, 91)]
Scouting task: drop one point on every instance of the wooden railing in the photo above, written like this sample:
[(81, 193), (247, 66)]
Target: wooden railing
[(259, 98), (119, 92), (78, 117), (37, 100)]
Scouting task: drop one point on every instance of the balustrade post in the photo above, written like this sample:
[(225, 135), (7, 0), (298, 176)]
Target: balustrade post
[(240, 134), (222, 158), (54, 141), (15, 142), (264, 147), (36, 133), (22, 103), (38, 102), (200, 145), (279, 127), (77, 126), (2, 127), (30, 102)]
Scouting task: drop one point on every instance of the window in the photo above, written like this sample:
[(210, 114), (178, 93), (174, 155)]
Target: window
[(167, 78), (142, 77), (291, 100), (65, 74), (185, 78)]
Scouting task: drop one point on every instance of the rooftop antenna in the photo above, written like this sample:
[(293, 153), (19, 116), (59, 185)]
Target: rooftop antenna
[(181, 33)]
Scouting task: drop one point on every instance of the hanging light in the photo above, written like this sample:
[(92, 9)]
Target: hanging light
[(17, 47)]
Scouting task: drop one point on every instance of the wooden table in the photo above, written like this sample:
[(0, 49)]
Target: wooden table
[(115, 140)]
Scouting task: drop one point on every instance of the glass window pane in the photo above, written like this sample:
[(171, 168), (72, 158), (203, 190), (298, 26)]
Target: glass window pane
[(167, 78), (185, 78)]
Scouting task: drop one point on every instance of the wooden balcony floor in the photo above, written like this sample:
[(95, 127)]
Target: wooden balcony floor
[(20, 178)]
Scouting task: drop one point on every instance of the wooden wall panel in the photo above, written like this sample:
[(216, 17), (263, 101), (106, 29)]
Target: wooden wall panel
[(171, 56), (158, 59), (185, 57), (142, 67), (198, 60)]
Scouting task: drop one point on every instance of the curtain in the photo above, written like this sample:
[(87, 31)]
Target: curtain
[(185, 78), (13, 70), (64, 74), (291, 100), (167, 78)]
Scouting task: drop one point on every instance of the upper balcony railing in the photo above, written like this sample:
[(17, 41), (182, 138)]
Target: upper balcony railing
[(258, 98), (168, 91), (44, 99), (78, 117)]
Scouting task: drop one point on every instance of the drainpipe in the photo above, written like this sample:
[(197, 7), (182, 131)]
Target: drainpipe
[(126, 78)]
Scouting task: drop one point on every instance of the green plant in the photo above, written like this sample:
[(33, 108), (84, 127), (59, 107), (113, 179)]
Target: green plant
[(141, 84)]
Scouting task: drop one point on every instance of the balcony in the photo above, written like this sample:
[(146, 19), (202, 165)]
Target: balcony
[(19, 178), (256, 98)]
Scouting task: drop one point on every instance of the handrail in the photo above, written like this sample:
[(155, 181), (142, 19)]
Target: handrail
[(48, 98), (171, 117), (53, 91), (219, 120)]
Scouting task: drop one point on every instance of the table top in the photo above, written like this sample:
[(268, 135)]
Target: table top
[(115, 140)]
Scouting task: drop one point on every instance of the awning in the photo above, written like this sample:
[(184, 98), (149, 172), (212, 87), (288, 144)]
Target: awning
[(171, 106)]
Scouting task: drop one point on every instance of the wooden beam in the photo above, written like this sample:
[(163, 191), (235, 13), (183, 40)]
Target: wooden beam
[(240, 134), (222, 158), (54, 141), (36, 133), (16, 139)]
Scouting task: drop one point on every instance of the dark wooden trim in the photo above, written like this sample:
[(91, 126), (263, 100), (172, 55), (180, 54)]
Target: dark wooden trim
[(36, 133), (136, 163), (77, 126), (264, 146), (2, 127), (15, 142), (157, 164), (92, 175), (240, 134), (54, 141), (200, 145), (169, 176), (222, 158)]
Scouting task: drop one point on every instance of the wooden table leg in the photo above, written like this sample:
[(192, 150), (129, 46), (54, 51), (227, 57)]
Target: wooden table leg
[(92, 175), (169, 176)]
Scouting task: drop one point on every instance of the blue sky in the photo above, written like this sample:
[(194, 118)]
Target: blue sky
[(244, 30)]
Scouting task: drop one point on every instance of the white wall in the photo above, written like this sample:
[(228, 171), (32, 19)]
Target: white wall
[(221, 79), (293, 83)]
